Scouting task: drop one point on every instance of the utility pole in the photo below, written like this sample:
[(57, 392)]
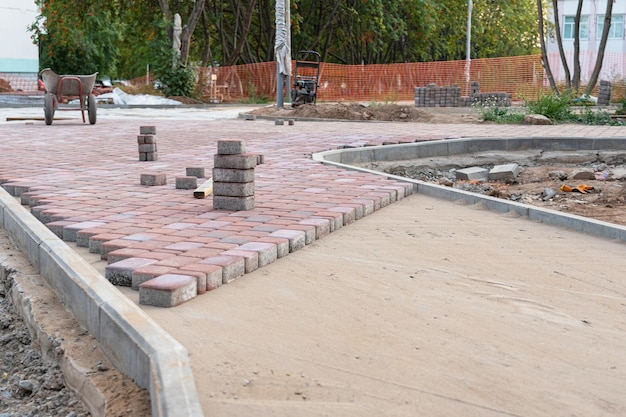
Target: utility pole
[(468, 59)]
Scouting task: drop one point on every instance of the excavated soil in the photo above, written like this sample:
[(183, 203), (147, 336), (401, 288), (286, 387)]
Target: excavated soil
[(31, 361), (373, 112)]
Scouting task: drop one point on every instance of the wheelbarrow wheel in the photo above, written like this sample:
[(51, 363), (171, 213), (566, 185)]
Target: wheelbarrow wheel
[(49, 106), (91, 109)]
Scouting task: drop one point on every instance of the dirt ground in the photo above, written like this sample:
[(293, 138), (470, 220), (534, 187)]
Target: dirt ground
[(31, 378), (373, 112)]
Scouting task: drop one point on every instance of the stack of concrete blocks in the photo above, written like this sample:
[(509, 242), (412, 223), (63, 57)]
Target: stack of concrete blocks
[(433, 96), (604, 96), (233, 176), (147, 143)]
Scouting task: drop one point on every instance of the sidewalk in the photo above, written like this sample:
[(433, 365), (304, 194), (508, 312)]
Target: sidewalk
[(421, 307)]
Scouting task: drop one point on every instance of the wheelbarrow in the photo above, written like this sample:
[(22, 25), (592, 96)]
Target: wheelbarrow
[(58, 86)]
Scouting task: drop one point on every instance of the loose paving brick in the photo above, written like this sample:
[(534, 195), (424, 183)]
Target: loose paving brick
[(186, 183), (168, 290), (472, 173)]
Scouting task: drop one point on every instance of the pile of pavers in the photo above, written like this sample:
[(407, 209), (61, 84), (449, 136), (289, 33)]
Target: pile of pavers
[(433, 96)]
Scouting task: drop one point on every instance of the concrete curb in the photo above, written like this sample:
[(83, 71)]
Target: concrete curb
[(345, 157), (133, 342)]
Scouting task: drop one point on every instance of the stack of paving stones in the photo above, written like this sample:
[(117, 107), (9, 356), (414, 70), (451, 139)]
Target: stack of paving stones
[(147, 143), (604, 96), (233, 176), (433, 96)]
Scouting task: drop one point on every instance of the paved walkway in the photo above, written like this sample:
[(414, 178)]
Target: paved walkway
[(83, 181)]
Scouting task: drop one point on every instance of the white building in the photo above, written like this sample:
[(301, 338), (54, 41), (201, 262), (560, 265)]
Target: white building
[(18, 54), (591, 26)]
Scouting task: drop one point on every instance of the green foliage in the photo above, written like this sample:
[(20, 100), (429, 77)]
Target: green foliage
[(554, 107), (177, 81), (492, 112), (77, 37), (597, 118)]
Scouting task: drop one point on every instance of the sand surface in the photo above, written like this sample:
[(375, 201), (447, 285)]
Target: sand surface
[(426, 307)]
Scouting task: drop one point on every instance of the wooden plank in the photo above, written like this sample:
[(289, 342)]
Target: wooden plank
[(204, 190)]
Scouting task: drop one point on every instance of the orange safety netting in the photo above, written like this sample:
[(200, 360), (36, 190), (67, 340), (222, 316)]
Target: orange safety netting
[(519, 76), (522, 77)]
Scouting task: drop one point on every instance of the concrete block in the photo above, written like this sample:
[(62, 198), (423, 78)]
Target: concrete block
[(243, 161), (233, 203), (267, 252), (504, 172), (147, 130), (152, 156), (153, 179), (142, 139), (233, 189), (279, 122), (147, 147), (296, 238), (233, 175), (121, 273), (472, 173), (168, 290), (231, 147), (186, 183), (197, 172), (233, 267)]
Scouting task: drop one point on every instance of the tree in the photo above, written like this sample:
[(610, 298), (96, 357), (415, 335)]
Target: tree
[(544, 53), (77, 37), (600, 58)]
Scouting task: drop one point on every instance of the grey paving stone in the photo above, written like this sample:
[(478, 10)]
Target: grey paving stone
[(472, 173)]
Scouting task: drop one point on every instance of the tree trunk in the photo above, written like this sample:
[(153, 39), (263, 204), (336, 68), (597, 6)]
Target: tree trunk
[(605, 35), (559, 42), (185, 37), (544, 55), (247, 20), (576, 77)]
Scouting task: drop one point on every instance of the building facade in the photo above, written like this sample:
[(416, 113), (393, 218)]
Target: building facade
[(18, 54), (591, 27)]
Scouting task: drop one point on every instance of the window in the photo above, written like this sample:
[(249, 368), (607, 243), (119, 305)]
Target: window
[(617, 26), (568, 27)]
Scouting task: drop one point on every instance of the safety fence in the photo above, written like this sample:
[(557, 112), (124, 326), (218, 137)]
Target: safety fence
[(522, 77)]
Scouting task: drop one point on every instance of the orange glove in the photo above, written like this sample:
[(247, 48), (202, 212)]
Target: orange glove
[(582, 188), (566, 188)]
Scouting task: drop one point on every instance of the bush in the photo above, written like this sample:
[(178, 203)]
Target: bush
[(554, 107), (492, 112), (178, 81)]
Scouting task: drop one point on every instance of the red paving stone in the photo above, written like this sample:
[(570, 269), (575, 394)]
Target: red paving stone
[(64, 181)]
